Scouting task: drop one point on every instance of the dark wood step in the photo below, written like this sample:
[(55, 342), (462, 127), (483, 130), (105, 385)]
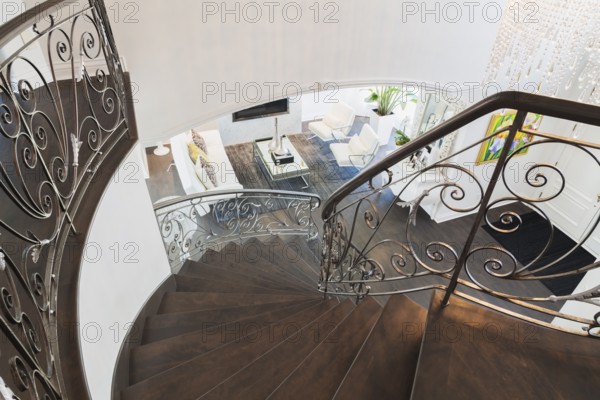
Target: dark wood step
[(186, 301), (283, 254), (156, 357), (267, 257), (164, 326), (194, 284), (237, 273), (309, 252), (321, 373), (258, 379), (474, 352), (191, 379), (385, 367), (288, 257)]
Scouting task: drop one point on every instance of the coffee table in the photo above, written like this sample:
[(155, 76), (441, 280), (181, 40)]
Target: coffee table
[(274, 173)]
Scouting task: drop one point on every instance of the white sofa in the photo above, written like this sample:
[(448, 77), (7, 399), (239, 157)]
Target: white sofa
[(359, 151), (225, 175)]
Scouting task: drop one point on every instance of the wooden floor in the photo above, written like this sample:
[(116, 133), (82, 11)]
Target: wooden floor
[(325, 177)]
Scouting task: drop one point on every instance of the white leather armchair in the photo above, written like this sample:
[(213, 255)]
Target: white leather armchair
[(359, 151), (335, 124)]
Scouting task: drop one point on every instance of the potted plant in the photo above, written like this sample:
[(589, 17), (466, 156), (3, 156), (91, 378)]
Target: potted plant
[(387, 99), (401, 138)]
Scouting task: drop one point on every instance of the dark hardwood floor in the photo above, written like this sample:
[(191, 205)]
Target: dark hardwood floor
[(326, 176)]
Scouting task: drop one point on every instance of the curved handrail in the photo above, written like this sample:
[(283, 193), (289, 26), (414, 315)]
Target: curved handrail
[(371, 265), (193, 224), (225, 193), (18, 24), (548, 106)]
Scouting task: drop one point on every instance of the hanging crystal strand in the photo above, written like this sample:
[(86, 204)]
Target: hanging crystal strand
[(561, 51)]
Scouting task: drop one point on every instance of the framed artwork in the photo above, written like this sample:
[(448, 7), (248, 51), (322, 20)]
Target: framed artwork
[(490, 149)]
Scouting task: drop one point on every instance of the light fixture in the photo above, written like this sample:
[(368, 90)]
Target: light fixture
[(551, 47), (161, 150)]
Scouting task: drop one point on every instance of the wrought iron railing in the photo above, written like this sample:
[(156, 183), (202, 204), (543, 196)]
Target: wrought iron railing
[(64, 109), (367, 251), (192, 225)]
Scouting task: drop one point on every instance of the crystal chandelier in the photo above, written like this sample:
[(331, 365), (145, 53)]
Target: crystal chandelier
[(551, 47)]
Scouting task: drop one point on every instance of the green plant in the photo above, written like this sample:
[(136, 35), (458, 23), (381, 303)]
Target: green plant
[(401, 138), (388, 98)]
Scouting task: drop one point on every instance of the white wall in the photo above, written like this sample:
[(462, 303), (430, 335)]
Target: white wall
[(579, 309), (316, 103), (9, 9), (34, 53), (115, 284), (173, 55)]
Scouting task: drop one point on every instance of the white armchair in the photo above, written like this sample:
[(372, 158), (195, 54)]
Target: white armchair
[(335, 124), (359, 151)]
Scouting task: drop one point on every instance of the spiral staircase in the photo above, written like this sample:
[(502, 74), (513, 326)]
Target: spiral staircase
[(341, 318), (222, 329)]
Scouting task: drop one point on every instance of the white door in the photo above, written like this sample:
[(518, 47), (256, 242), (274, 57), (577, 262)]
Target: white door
[(578, 207), (593, 243)]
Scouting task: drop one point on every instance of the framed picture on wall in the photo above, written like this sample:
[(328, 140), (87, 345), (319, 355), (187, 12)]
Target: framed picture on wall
[(490, 149)]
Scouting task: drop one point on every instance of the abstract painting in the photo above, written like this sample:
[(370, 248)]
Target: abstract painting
[(491, 148)]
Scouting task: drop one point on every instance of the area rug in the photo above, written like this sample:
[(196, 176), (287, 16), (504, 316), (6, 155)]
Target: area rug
[(528, 242)]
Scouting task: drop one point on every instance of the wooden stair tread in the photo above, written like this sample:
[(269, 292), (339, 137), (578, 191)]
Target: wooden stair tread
[(266, 257), (156, 357), (232, 273), (386, 365), (214, 370), (291, 259), (196, 284), (475, 352), (184, 302), (163, 326), (207, 338), (287, 260), (309, 256), (258, 379), (323, 370)]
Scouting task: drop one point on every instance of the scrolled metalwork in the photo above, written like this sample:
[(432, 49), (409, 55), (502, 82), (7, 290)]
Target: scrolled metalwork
[(62, 110), (194, 224), (594, 329), (348, 260), (402, 254)]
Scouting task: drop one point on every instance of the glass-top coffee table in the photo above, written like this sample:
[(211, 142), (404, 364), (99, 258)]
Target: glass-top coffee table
[(296, 169)]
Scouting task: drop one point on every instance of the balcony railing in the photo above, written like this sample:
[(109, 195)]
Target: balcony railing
[(366, 252), (192, 225), (64, 113)]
